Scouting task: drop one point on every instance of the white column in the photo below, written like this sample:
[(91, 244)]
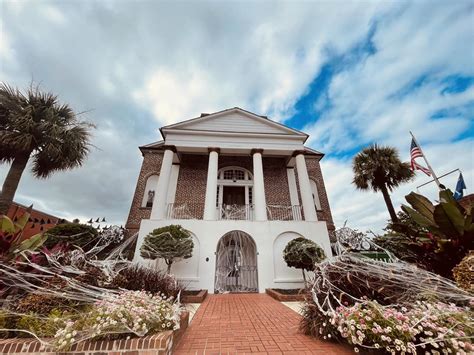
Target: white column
[(211, 187), (258, 186), (305, 189), (158, 210)]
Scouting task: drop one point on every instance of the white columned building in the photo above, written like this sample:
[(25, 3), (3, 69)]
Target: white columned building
[(230, 179)]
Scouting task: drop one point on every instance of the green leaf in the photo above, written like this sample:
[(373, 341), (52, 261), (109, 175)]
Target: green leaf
[(6, 225), (418, 217), (31, 244), (23, 220), (421, 204), (444, 222), (456, 217)]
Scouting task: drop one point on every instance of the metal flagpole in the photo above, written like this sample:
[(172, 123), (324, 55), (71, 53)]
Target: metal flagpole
[(435, 178)]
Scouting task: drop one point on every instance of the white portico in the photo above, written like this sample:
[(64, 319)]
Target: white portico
[(227, 207)]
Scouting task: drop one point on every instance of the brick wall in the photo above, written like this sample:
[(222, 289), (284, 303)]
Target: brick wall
[(315, 174), (150, 166), (192, 179), (275, 179)]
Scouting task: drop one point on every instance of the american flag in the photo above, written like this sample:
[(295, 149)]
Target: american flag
[(415, 152)]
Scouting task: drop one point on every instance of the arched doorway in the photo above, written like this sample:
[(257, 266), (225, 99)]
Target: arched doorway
[(236, 263)]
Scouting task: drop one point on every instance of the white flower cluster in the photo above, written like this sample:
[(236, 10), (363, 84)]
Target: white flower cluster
[(136, 312), (434, 328)]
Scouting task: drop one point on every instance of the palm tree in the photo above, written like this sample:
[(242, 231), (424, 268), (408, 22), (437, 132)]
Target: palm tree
[(380, 169), (35, 125)]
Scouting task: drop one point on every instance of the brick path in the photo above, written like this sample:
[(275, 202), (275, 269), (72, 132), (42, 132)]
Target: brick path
[(249, 323)]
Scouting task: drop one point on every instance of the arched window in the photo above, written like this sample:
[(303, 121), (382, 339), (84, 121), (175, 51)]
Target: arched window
[(149, 193), (234, 187), (233, 173), (314, 190)]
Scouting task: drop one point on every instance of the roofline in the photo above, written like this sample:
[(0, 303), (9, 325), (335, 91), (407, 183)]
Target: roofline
[(315, 152), (152, 146), (231, 109), (39, 211)]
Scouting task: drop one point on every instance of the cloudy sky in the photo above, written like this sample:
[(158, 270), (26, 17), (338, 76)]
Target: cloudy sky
[(349, 73)]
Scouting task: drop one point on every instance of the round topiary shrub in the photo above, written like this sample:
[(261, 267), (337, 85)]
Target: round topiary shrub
[(170, 243), (464, 272), (80, 235), (303, 254)]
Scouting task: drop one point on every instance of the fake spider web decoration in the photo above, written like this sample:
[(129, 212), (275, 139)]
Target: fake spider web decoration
[(351, 278), (27, 276), (236, 264)]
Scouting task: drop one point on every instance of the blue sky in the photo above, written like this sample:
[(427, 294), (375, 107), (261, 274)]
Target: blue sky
[(349, 73)]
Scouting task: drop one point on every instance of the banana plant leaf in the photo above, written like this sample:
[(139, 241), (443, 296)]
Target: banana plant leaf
[(455, 216), (30, 244), (421, 204), (421, 219), (6, 225), (446, 225)]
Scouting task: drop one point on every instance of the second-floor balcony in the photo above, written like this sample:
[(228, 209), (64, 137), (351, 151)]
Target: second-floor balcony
[(233, 212)]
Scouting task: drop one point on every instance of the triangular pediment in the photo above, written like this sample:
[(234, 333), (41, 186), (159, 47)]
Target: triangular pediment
[(235, 120)]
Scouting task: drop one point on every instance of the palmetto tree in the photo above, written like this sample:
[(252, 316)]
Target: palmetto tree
[(36, 126), (380, 169)]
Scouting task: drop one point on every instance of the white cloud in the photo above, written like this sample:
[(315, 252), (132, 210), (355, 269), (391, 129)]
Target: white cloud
[(262, 59)]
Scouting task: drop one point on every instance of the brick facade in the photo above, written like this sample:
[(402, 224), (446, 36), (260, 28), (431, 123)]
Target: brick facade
[(315, 174), (192, 179), (151, 165), (277, 191)]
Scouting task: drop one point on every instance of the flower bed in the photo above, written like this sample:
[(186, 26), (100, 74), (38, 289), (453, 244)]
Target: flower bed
[(160, 343), (292, 295)]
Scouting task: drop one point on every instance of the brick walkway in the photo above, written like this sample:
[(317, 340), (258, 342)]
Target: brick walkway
[(249, 323)]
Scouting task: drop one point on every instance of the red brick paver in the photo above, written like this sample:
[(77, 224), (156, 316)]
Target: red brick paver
[(249, 323)]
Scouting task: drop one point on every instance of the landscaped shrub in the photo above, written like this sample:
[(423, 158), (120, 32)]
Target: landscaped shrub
[(41, 325), (130, 312), (303, 254), (138, 278), (170, 243), (464, 272), (41, 304), (80, 235)]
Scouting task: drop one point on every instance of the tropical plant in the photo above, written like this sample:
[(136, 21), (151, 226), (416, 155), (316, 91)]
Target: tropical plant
[(170, 243), (450, 230), (302, 253), (35, 125), (12, 243), (379, 168), (81, 235)]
